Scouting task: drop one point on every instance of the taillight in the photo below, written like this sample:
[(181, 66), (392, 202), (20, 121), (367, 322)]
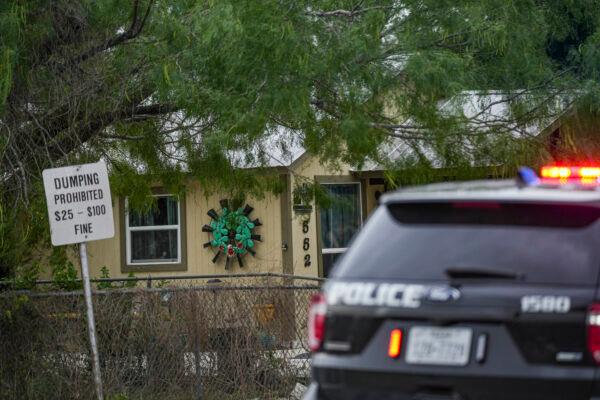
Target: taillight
[(593, 331), (317, 316), (395, 345)]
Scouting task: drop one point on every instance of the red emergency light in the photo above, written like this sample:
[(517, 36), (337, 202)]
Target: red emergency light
[(586, 175)]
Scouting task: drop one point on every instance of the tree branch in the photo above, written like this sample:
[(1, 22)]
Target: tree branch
[(134, 30), (154, 109), (345, 13)]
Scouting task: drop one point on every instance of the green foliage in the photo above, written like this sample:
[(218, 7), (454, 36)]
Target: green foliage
[(130, 284), (307, 192), (6, 57), (163, 283), (23, 231), (64, 274), (14, 309), (104, 274), (26, 276), (206, 87), (11, 19)]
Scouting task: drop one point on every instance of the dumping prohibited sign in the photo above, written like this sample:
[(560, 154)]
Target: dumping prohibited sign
[(79, 203)]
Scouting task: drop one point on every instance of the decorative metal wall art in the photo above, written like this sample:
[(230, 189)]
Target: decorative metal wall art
[(232, 233)]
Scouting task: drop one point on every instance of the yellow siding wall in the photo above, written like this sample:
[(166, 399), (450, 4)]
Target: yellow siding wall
[(107, 252), (199, 260), (269, 255)]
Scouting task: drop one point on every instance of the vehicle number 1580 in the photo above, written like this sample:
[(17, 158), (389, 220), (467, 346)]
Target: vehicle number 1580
[(545, 304)]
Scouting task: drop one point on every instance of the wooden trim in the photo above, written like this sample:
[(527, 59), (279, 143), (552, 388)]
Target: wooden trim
[(336, 179), (376, 181), (181, 266), (369, 174), (319, 241), (363, 202), (286, 226), (299, 160), (287, 256)]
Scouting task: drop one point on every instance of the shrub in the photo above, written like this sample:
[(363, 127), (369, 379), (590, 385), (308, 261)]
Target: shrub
[(26, 277), (104, 274), (64, 274)]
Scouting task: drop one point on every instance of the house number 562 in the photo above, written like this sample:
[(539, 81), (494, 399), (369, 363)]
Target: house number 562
[(306, 244)]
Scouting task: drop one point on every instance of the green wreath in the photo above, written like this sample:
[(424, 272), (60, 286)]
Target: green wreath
[(232, 233)]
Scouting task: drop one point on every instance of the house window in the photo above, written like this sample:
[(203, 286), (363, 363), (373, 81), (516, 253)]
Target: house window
[(154, 238), (340, 221)]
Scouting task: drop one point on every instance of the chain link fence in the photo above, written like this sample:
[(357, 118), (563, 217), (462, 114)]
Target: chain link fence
[(184, 340)]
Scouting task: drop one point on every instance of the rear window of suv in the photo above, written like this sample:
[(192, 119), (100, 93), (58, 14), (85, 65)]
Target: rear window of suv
[(541, 243)]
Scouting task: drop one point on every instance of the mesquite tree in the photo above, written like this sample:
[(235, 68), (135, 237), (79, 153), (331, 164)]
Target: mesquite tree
[(163, 89)]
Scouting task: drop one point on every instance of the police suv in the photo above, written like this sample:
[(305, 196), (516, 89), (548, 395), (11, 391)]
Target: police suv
[(481, 290)]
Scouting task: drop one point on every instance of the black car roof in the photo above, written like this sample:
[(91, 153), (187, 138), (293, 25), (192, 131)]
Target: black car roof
[(499, 190)]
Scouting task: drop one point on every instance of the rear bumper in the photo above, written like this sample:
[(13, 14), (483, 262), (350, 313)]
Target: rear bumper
[(334, 384), (503, 374)]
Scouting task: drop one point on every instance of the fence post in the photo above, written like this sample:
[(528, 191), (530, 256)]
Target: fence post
[(149, 282)]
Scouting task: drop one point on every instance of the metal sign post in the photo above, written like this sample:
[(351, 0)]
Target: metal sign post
[(80, 210), (87, 289)]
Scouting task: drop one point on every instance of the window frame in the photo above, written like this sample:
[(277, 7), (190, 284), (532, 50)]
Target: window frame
[(157, 265), (337, 180)]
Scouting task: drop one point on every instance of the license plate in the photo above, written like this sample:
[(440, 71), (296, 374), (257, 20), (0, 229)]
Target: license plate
[(439, 346)]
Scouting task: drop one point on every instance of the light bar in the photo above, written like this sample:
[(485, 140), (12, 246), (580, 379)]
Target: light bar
[(556, 172), (584, 175), (589, 172)]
